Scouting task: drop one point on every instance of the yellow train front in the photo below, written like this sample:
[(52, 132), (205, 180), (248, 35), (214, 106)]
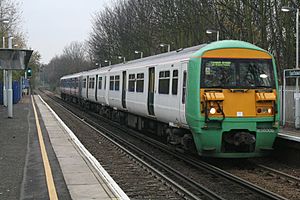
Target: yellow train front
[(232, 100)]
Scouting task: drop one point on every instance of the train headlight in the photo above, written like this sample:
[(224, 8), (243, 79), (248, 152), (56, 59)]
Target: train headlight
[(270, 110), (212, 111)]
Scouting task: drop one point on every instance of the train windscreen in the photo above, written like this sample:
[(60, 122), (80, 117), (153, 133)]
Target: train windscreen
[(237, 73)]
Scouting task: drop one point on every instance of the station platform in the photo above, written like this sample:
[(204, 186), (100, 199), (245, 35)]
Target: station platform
[(289, 133), (40, 158)]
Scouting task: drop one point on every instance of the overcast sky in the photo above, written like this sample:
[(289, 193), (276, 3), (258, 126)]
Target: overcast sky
[(50, 25)]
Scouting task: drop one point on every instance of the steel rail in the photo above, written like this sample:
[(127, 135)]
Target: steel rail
[(294, 178)]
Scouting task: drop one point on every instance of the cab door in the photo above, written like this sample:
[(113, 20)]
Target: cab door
[(183, 88)]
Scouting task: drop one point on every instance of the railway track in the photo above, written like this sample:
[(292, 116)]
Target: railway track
[(177, 191), (199, 179), (281, 174), (264, 176)]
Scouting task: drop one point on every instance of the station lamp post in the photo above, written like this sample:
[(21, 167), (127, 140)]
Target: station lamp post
[(122, 57), (108, 61), (290, 9), (140, 52), (211, 31), (168, 45), (4, 21), (5, 74)]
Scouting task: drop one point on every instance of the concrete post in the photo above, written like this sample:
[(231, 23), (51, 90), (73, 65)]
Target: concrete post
[(10, 94), (9, 89), (4, 79), (4, 89)]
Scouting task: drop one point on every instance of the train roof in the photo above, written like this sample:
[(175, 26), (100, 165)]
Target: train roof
[(178, 55), (227, 44)]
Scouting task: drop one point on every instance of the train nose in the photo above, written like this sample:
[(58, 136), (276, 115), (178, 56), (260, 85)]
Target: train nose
[(241, 138)]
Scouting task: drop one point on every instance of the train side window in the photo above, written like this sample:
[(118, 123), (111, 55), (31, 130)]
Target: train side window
[(117, 83), (184, 87), (131, 83), (140, 82), (100, 83), (111, 82), (164, 82), (175, 82), (84, 83)]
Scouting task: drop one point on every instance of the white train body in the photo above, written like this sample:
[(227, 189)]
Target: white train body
[(152, 87)]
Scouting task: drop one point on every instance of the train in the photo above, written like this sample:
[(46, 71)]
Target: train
[(218, 99)]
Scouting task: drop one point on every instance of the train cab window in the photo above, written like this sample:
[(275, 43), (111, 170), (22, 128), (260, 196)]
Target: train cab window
[(140, 82), (131, 83), (175, 82), (111, 82), (84, 83), (117, 83), (164, 82), (100, 83), (237, 73), (184, 87)]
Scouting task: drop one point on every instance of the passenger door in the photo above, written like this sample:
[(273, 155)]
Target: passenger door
[(96, 88), (87, 86), (124, 89), (151, 84)]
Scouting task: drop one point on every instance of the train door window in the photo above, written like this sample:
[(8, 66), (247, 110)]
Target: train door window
[(164, 82), (117, 83), (140, 82), (184, 87), (111, 82), (131, 83), (93, 83), (175, 82), (84, 83), (100, 83)]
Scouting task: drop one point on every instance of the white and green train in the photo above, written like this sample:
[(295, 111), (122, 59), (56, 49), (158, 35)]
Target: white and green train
[(220, 99)]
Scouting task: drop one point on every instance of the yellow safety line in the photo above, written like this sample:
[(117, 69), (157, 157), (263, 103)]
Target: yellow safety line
[(49, 178)]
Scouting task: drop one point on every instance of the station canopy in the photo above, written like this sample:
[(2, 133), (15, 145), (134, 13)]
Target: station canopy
[(14, 59)]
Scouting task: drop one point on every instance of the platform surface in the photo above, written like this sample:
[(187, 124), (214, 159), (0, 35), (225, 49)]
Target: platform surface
[(289, 133), (23, 172)]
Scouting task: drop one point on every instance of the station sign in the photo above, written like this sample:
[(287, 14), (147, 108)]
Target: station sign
[(290, 73), (14, 59)]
